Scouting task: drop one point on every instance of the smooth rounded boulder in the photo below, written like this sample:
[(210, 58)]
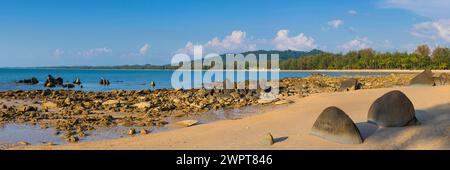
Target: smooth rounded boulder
[(393, 109), (424, 78), (335, 125)]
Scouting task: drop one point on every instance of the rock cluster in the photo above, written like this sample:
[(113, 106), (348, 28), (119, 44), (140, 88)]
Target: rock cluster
[(393, 109), (72, 114), (104, 82), (33, 80)]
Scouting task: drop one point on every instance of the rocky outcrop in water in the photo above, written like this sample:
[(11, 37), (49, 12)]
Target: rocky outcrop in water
[(52, 82), (33, 80), (77, 81), (104, 82)]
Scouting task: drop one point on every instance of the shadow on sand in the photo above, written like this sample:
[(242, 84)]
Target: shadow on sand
[(434, 127), (280, 139)]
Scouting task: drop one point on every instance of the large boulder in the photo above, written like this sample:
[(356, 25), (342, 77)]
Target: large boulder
[(444, 79), (393, 109), (333, 124), (350, 84), (424, 78)]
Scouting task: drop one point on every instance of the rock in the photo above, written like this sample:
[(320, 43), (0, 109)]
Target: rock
[(77, 81), (67, 101), (49, 105), (104, 82), (424, 78), (335, 125), (131, 131), (267, 139), (33, 80), (72, 139), (23, 143), (111, 102), (52, 82), (176, 100), (350, 84), (143, 132), (283, 102), (59, 81), (142, 105), (49, 84), (393, 109), (187, 123), (26, 108), (152, 84)]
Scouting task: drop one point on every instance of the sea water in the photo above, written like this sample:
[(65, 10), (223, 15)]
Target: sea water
[(120, 79)]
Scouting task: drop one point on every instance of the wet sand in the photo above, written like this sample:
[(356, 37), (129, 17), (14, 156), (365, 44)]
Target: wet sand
[(290, 126)]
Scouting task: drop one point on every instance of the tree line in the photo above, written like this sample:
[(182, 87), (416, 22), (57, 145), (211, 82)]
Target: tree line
[(421, 58)]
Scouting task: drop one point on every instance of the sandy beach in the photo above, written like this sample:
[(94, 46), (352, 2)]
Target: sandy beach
[(368, 71), (291, 125)]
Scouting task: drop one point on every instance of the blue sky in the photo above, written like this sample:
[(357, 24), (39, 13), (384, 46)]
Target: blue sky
[(113, 32)]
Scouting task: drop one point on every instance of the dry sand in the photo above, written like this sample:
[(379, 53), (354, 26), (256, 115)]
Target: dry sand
[(290, 126), (369, 71)]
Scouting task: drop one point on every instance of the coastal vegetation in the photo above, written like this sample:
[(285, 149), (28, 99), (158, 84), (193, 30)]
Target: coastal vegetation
[(422, 58)]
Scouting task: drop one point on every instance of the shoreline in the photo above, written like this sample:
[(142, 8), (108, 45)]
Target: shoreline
[(290, 126)]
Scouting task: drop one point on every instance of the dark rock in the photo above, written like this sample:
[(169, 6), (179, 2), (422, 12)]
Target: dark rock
[(59, 81), (424, 78), (152, 84), (49, 84), (33, 80), (77, 81), (393, 109), (335, 125), (52, 82), (350, 84), (104, 82)]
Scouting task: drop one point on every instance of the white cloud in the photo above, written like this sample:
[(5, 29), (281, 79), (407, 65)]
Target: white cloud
[(58, 53), (144, 49), (434, 9), (352, 12), (300, 42), (335, 23), (433, 29), (94, 52), (235, 42), (356, 44)]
